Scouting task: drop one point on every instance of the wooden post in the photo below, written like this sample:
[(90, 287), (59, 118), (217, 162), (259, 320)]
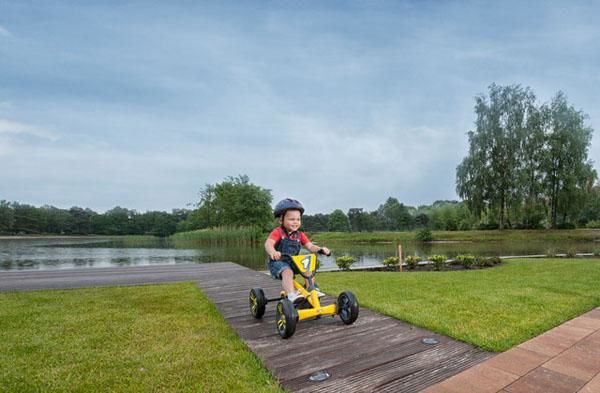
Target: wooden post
[(400, 256)]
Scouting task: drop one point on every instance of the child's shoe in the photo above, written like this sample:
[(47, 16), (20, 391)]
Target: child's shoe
[(319, 293), (296, 297)]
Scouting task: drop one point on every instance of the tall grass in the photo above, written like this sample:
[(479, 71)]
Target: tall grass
[(221, 236)]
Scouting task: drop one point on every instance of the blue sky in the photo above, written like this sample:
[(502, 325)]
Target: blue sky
[(338, 104)]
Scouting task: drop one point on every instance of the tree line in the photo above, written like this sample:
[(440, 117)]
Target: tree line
[(24, 219), (527, 164)]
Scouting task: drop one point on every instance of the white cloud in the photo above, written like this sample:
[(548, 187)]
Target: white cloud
[(15, 127), (4, 32)]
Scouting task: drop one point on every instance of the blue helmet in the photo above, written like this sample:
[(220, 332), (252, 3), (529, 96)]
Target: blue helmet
[(287, 204)]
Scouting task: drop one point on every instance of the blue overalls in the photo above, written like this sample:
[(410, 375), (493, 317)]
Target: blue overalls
[(285, 246)]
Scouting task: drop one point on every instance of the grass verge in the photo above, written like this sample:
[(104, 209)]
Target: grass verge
[(494, 309), (163, 338)]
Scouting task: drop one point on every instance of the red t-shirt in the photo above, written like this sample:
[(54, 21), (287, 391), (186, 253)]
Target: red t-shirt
[(279, 233)]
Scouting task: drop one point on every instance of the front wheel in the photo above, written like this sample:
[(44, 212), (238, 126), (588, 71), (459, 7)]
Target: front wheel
[(347, 307), (258, 302), (286, 317)]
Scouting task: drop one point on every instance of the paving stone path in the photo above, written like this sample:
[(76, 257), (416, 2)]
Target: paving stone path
[(565, 359)]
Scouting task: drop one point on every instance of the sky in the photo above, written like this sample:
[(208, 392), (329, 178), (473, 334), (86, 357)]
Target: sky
[(339, 104)]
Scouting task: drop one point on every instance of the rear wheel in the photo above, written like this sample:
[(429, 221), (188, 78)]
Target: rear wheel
[(347, 307), (258, 302), (286, 317)]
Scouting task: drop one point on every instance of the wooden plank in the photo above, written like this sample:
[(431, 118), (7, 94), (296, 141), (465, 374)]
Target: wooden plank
[(376, 353)]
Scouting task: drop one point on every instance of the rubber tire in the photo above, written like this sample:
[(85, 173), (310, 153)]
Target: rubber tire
[(286, 317), (347, 307), (258, 302)]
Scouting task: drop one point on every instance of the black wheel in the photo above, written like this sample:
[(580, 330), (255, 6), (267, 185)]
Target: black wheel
[(257, 301), (347, 307), (286, 317)]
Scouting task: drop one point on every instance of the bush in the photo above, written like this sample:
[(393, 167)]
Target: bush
[(487, 262), (495, 260), (489, 226), (390, 261), (412, 261), (551, 252), (571, 253), (566, 225), (595, 224), (424, 235), (439, 262), (467, 261), (344, 262), (596, 252)]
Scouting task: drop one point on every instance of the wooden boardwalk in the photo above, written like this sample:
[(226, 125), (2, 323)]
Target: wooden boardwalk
[(375, 354)]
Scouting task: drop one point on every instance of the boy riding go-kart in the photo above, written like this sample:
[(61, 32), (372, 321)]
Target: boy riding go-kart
[(297, 302)]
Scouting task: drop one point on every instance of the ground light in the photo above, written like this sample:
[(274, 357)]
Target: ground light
[(319, 376), (430, 341)]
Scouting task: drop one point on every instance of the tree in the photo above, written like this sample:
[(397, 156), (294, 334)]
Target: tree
[(568, 174), (27, 219), (490, 175), (591, 210), (338, 222), (394, 215), (359, 220), (315, 223), (233, 202), (7, 217)]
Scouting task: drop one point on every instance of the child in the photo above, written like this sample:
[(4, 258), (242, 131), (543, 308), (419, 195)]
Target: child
[(287, 239)]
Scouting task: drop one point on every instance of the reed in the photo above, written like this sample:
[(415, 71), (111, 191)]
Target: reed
[(221, 236)]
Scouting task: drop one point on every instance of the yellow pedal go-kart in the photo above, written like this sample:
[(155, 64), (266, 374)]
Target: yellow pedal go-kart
[(288, 314)]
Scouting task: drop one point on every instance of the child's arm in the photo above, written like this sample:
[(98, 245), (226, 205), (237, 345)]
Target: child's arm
[(314, 248), (271, 251)]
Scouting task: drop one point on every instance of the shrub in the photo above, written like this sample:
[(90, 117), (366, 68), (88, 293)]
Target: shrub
[(424, 235), (412, 261), (595, 224), (566, 225), (344, 262), (489, 226), (551, 252), (486, 262), (596, 252), (390, 261), (571, 253), (439, 262), (467, 261)]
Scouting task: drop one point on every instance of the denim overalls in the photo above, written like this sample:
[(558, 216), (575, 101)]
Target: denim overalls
[(285, 246)]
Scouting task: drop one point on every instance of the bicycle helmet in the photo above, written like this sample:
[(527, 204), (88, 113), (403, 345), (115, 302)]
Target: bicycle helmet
[(287, 204)]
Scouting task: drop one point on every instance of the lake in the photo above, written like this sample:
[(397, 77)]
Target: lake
[(90, 252)]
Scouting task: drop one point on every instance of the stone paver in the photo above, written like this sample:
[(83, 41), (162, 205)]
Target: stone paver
[(593, 386), (565, 359), (518, 361), (542, 380)]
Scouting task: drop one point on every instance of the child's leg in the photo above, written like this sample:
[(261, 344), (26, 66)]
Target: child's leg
[(309, 282), (287, 281)]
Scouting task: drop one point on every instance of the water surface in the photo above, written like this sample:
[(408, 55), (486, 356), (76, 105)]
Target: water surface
[(89, 252)]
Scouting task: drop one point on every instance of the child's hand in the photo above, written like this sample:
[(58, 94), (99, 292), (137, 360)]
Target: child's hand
[(275, 256), (326, 251)]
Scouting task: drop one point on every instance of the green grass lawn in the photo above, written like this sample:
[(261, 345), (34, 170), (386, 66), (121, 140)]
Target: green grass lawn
[(495, 308), (166, 338)]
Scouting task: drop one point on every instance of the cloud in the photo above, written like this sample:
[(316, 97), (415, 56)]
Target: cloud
[(14, 127), (4, 32)]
